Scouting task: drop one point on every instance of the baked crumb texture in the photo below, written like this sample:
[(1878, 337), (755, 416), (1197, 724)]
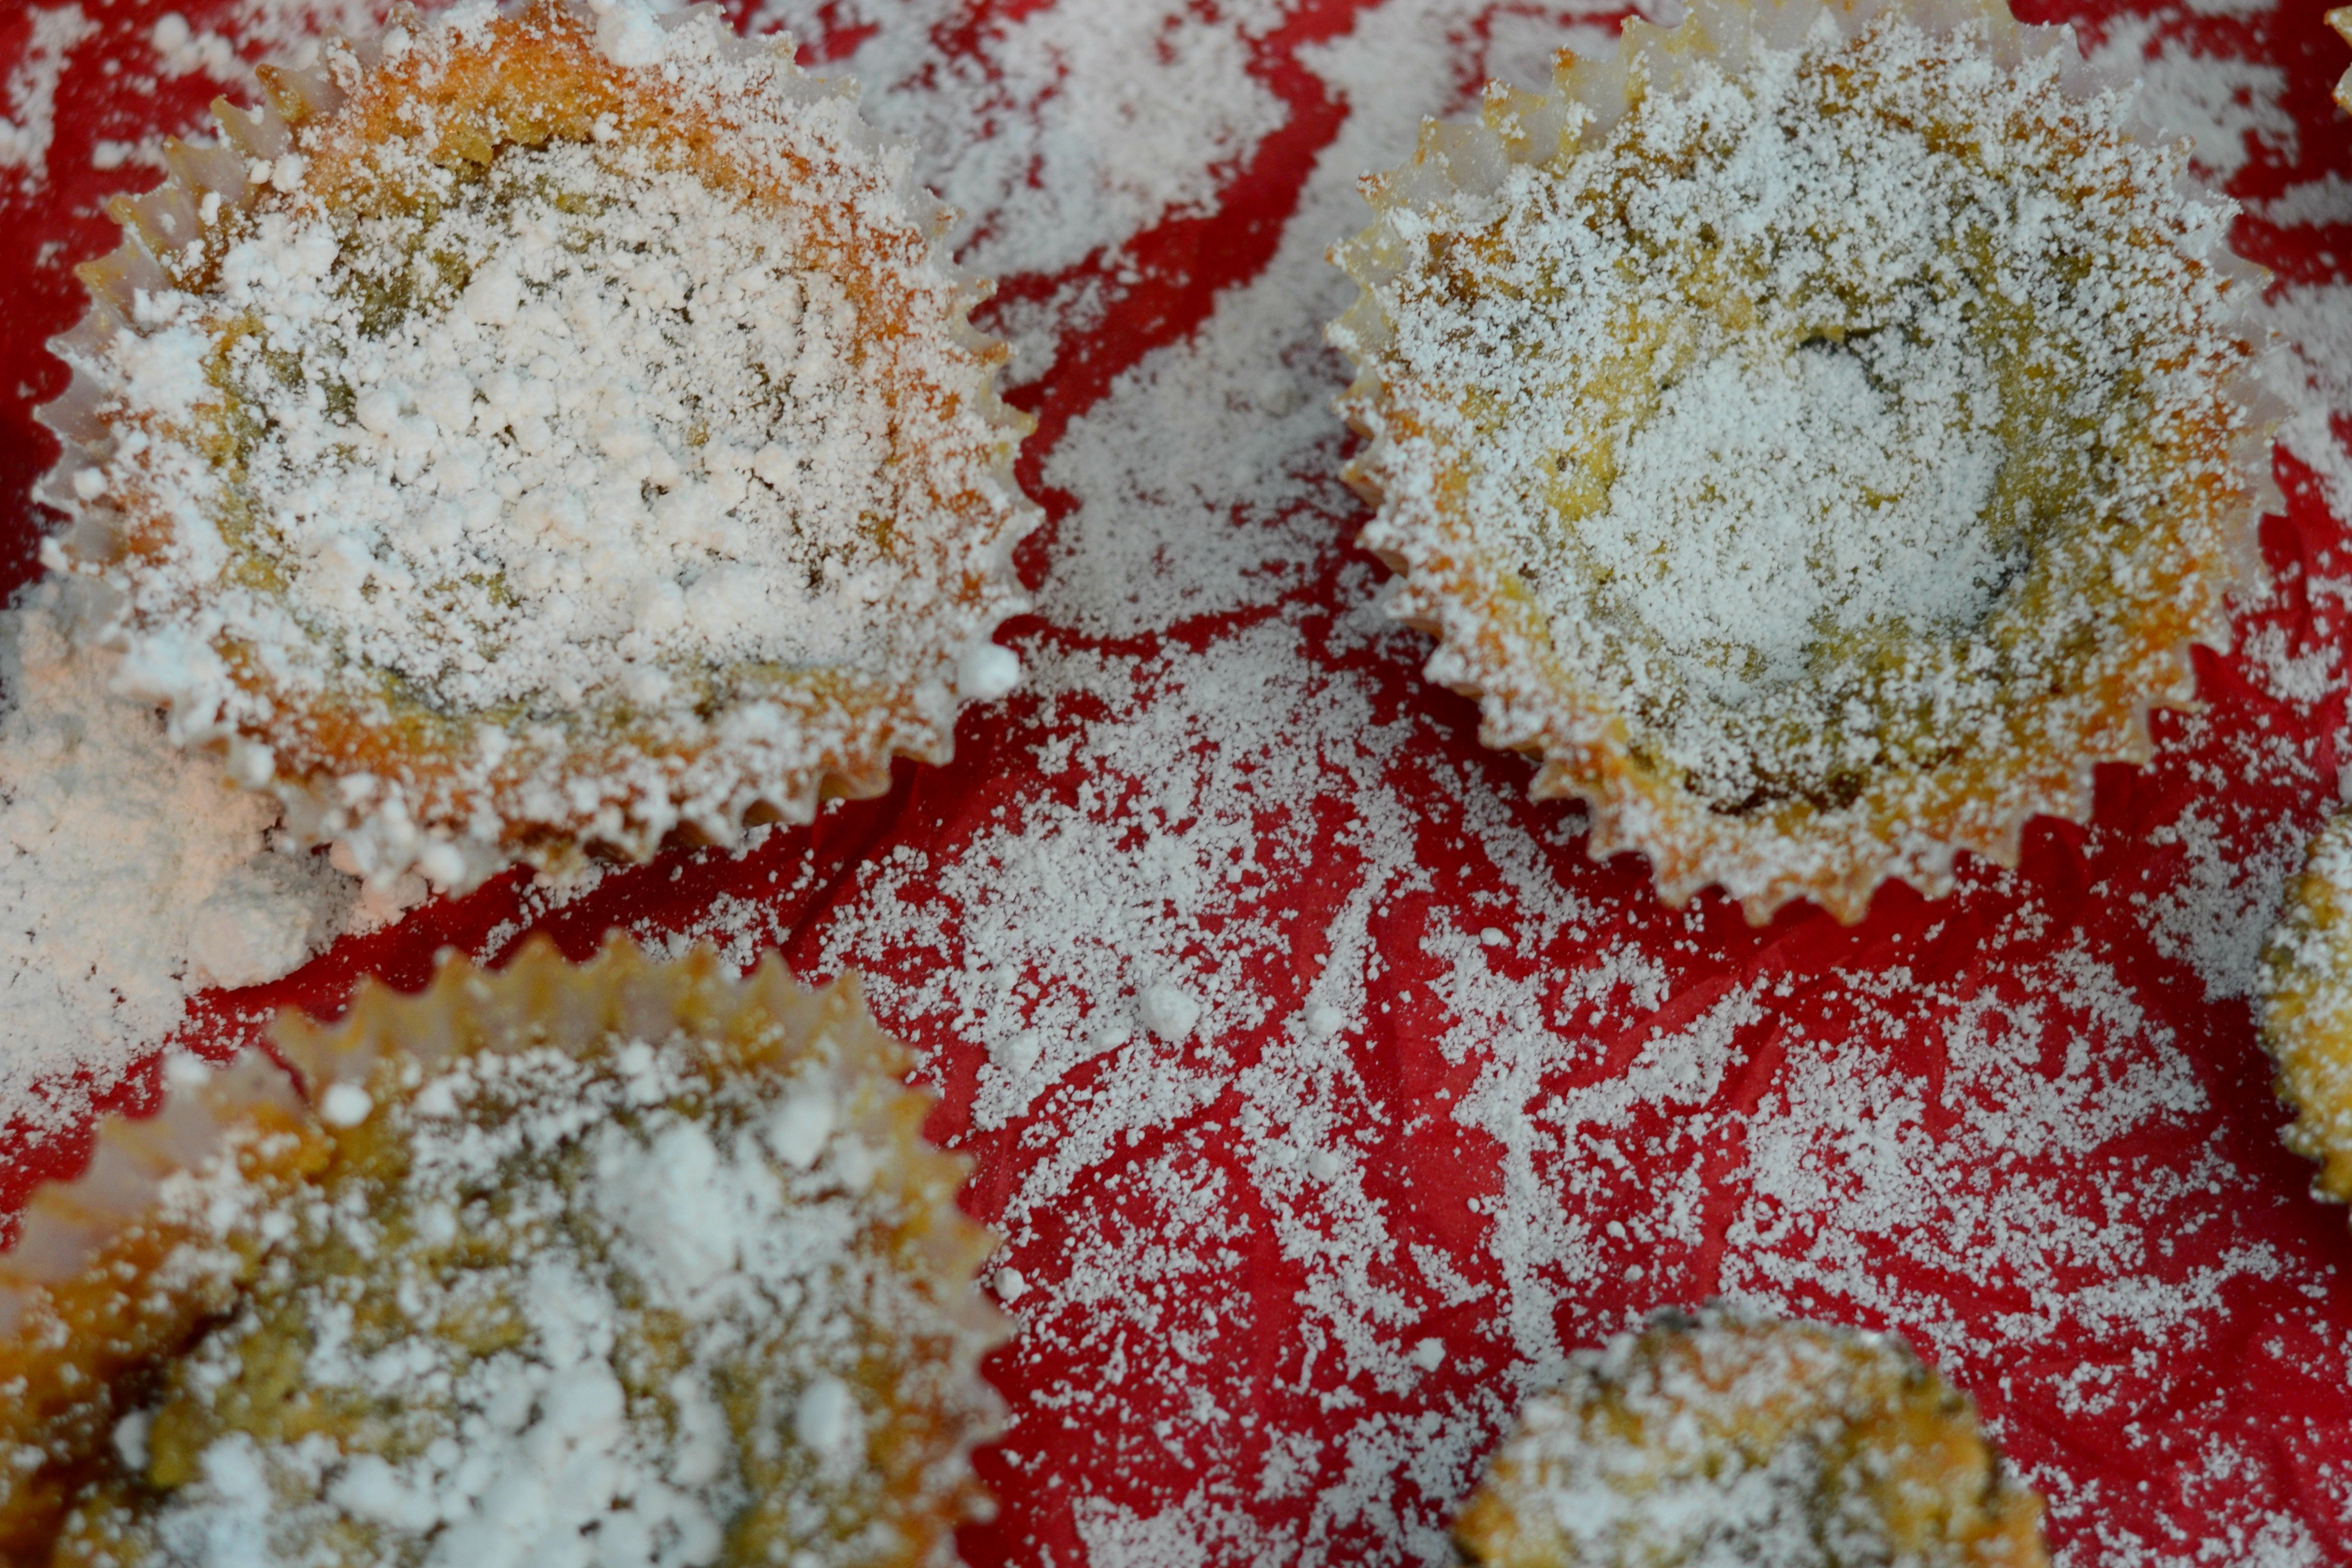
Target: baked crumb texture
[(1733, 1437), (1817, 434), (624, 1265), (528, 431), (2305, 994)]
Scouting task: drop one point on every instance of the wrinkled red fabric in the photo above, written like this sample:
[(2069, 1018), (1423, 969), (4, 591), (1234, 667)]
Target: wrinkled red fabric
[(2228, 1432)]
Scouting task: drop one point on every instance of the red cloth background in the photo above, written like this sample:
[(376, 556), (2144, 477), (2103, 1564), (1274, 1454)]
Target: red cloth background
[(2222, 1432)]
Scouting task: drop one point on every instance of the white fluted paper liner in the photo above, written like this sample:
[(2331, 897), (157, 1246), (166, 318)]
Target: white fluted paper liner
[(155, 470), (1497, 643)]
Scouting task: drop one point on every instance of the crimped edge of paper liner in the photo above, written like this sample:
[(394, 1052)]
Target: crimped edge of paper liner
[(2303, 1007), (915, 715), (1579, 745), (88, 1236), (1492, 1532)]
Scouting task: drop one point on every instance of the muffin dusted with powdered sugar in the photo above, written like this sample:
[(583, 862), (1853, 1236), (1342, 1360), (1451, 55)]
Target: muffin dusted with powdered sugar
[(628, 1264), (1730, 1436), (1817, 435), (534, 432)]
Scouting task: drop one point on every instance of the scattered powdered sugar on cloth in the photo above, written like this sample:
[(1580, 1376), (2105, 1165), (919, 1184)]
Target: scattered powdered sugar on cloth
[(2315, 320), (2195, 85), (31, 90), (134, 873), (1448, 1104), (1064, 129), (1328, 1098)]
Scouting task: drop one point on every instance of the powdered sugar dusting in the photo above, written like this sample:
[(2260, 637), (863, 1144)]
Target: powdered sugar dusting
[(1625, 1134), (1701, 448), (1064, 129), (1460, 1088), (2316, 321), (31, 91), (635, 438), (1735, 1437), (2218, 916), (1802, 543), (2325, 200), (2228, 105), (133, 874)]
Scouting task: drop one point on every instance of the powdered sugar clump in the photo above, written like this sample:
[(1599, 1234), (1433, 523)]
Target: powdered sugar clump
[(180, 50)]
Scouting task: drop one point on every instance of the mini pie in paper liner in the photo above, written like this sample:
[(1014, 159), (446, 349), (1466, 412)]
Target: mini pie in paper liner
[(627, 1218), (1597, 325), (2304, 990), (501, 449), (1729, 1437)]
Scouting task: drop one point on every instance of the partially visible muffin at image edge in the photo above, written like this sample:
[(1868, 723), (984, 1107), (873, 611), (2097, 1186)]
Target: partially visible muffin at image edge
[(1732, 1436), (627, 1264)]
